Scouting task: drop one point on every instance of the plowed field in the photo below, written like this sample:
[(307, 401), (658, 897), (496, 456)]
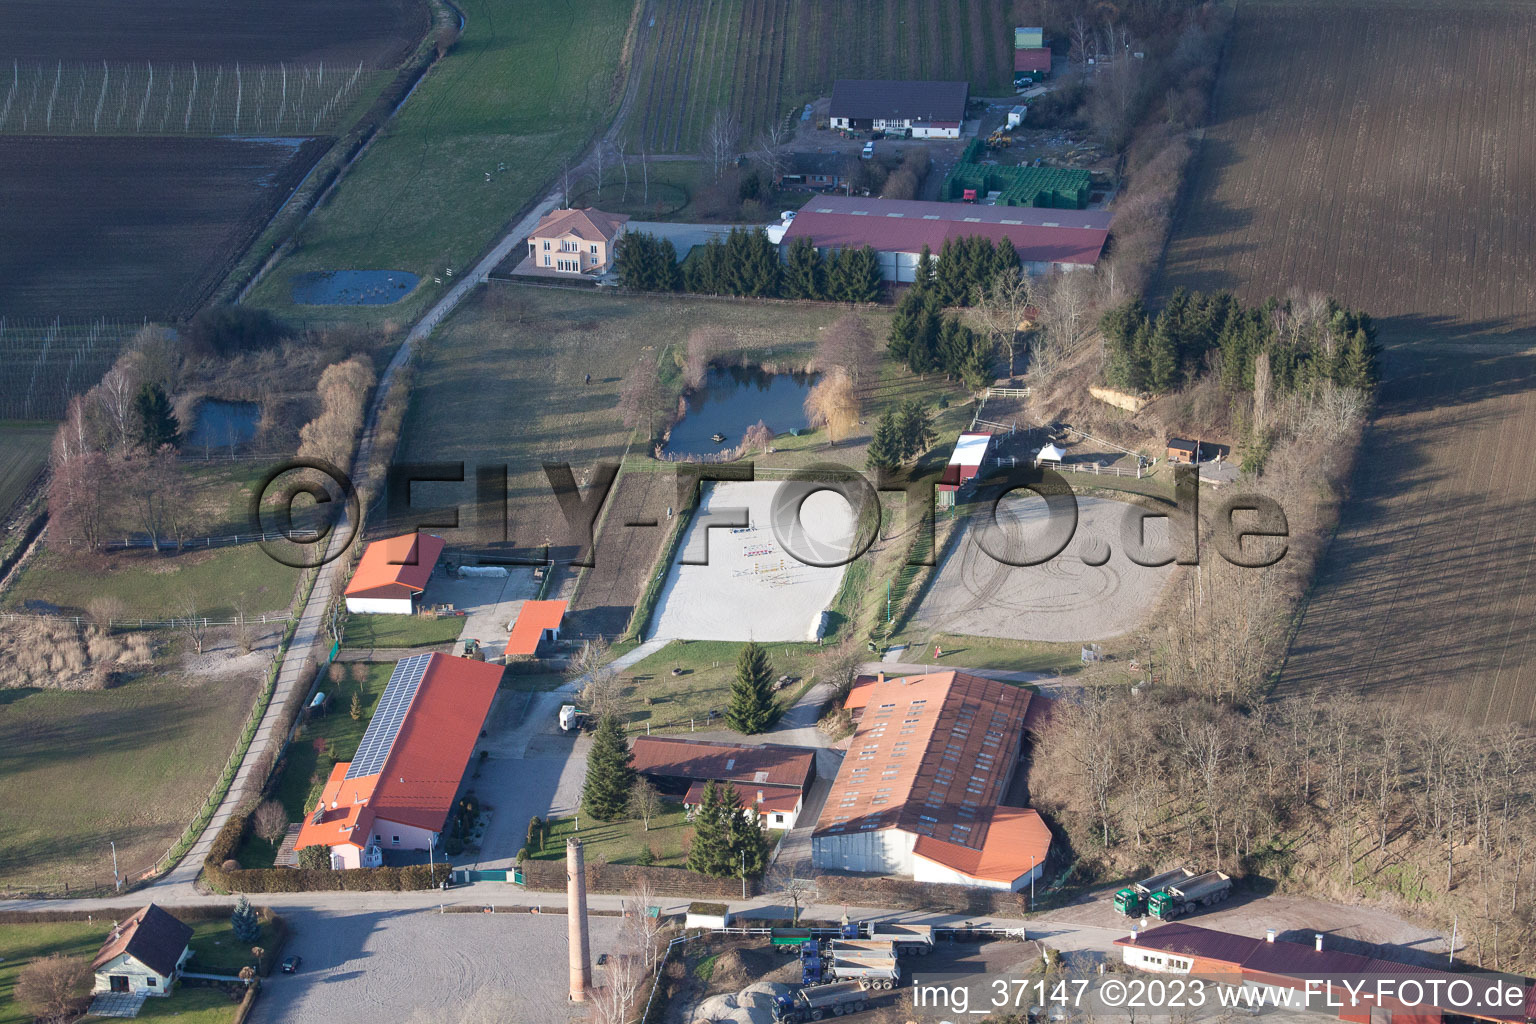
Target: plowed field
[(1386, 154)]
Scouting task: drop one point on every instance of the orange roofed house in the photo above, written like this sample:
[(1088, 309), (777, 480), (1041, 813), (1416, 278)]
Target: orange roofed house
[(392, 573), (396, 792), (919, 791), (573, 243)]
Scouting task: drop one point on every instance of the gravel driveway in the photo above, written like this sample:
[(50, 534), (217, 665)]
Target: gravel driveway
[(364, 968)]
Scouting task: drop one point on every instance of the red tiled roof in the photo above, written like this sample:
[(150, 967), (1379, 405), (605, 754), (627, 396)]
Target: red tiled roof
[(401, 563), (1033, 58), (1074, 237), (588, 224), (532, 620), (765, 798), (768, 764), (932, 755), (425, 763), (1281, 962), (1017, 840)]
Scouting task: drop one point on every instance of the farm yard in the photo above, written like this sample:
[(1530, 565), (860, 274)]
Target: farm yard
[(129, 228), (1386, 155), (763, 60), (377, 32)]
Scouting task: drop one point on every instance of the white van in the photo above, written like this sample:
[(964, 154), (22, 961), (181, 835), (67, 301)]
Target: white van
[(869, 150)]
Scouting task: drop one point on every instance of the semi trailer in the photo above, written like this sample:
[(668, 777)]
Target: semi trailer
[(909, 939), (1132, 900), (816, 1002), (1181, 898)]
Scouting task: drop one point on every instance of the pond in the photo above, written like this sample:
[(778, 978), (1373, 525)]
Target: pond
[(219, 423), (351, 287), (733, 399)]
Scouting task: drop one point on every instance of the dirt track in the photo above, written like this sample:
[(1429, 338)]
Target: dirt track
[(1387, 156), (1063, 600)]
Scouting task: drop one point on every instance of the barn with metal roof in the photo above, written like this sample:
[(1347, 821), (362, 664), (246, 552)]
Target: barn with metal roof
[(899, 229), (920, 790), (398, 788)]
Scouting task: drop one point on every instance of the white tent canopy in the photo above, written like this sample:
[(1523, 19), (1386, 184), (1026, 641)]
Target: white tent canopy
[(1050, 453)]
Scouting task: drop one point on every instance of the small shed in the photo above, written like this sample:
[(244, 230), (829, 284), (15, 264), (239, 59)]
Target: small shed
[(1051, 453), (143, 955), (964, 463), (707, 915), (537, 622), (1184, 450), (1016, 115)]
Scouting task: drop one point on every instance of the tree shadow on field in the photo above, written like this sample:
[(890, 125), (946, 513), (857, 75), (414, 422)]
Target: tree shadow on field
[(1202, 243), (1421, 583)]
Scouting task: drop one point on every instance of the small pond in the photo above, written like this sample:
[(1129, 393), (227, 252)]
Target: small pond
[(219, 424), (351, 287), (733, 399)]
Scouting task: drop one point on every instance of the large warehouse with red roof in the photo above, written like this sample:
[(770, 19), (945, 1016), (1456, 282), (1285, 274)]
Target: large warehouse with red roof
[(919, 792), (396, 792), (899, 229)]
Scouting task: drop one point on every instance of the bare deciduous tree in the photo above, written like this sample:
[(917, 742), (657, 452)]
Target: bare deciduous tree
[(54, 988), (644, 801), (705, 344), (720, 141), (1004, 308), (849, 344), (270, 821), (641, 396), (769, 153), (833, 404), (192, 623), (643, 930)]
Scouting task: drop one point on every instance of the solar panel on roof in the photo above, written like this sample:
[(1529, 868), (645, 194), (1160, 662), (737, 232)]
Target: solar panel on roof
[(382, 729), (1010, 222), (931, 216), (895, 215)]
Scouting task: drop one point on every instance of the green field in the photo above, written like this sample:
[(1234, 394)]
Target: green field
[(21, 943), (23, 452), (678, 703), (319, 744), (401, 630), (620, 842), (192, 1006), (132, 764), (158, 586), (154, 586), (525, 89)]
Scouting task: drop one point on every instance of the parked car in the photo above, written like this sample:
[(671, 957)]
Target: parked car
[(291, 964), (869, 150)]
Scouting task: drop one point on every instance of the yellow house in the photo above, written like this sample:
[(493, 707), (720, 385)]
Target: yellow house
[(573, 242)]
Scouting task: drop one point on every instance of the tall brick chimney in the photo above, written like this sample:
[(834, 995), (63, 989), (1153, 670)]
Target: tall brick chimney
[(576, 921)]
